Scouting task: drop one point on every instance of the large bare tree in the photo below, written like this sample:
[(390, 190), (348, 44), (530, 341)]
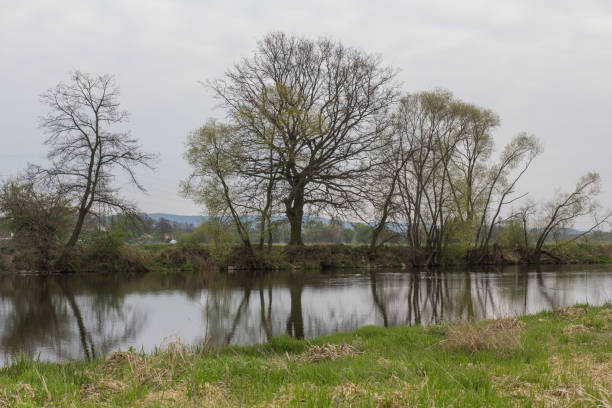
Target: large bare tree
[(322, 101), (88, 145)]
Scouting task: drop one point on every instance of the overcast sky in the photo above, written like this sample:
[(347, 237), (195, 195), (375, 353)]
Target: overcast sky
[(544, 66)]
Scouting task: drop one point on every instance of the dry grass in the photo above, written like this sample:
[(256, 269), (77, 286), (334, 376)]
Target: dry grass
[(573, 329), (499, 335), (348, 394), (572, 311), (183, 395), (283, 398), (121, 371), (328, 352), (19, 393), (158, 372), (579, 380)]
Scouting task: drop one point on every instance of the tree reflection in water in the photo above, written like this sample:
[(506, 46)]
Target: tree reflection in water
[(81, 316), (63, 318), (295, 321)]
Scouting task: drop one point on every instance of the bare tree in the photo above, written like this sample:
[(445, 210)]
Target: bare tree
[(515, 160), (523, 214), (86, 147), (563, 210), (322, 100)]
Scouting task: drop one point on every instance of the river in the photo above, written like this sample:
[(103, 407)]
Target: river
[(63, 318)]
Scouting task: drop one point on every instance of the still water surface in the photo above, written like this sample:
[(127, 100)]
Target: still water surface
[(63, 318)]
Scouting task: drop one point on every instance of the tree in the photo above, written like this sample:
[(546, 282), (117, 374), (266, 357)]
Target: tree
[(40, 220), (565, 208), (515, 159), (87, 147), (428, 126), (216, 159), (314, 108), (433, 179)]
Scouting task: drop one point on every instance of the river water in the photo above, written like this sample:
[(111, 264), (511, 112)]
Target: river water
[(61, 318)]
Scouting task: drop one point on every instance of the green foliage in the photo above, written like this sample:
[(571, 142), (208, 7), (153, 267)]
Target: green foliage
[(220, 238), (455, 254), (320, 232), (347, 235), (200, 235), (363, 234), (107, 245), (511, 235)]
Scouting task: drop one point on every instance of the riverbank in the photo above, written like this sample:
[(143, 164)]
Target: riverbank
[(332, 256), (561, 358), (172, 258)]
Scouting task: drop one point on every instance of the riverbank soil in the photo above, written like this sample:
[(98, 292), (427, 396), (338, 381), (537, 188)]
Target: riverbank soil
[(552, 359)]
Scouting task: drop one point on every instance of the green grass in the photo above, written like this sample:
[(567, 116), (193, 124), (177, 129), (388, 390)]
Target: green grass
[(154, 247), (561, 358)]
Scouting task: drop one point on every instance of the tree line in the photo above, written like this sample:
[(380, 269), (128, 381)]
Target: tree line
[(314, 127), (311, 128)]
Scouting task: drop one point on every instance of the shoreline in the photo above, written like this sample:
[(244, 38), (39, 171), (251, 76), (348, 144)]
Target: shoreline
[(169, 258), (551, 358)]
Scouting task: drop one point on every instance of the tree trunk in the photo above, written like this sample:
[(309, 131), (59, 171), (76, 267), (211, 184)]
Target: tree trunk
[(262, 231), (295, 238), (294, 209), (74, 237), (269, 222)]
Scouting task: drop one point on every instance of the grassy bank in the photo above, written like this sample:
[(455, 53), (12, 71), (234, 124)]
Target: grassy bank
[(119, 257), (561, 358), (335, 256)]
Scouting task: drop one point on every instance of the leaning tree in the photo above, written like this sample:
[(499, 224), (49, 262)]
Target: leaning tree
[(88, 145), (312, 109)]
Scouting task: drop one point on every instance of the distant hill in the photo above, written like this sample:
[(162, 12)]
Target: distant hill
[(194, 220)]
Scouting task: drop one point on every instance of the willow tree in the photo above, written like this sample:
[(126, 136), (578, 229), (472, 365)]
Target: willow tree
[(88, 146), (216, 178), (323, 102), (435, 179), (431, 124)]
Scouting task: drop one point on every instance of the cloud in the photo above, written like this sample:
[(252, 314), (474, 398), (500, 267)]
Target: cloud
[(543, 66)]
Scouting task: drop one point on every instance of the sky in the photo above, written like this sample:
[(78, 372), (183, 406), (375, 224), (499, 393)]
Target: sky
[(544, 66)]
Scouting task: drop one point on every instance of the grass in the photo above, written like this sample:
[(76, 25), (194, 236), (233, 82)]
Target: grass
[(561, 358)]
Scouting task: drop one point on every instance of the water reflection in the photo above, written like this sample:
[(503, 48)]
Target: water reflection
[(59, 318), (74, 317)]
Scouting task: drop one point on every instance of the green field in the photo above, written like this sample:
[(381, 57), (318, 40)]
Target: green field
[(561, 358)]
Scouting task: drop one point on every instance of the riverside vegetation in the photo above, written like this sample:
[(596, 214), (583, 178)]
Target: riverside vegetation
[(313, 127), (555, 358), (166, 258)]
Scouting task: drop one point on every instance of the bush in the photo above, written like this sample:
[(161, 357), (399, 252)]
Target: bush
[(40, 220), (220, 238), (107, 244)]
